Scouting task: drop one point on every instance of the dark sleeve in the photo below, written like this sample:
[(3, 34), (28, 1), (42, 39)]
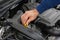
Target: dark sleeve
[(46, 4)]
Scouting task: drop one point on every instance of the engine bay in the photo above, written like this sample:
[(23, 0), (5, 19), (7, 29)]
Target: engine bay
[(45, 27)]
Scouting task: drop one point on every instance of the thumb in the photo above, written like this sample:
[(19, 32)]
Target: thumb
[(29, 20)]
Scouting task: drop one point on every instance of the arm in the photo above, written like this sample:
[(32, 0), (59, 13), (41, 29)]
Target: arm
[(46, 4)]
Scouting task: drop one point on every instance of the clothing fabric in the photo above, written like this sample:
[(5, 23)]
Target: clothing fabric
[(47, 4)]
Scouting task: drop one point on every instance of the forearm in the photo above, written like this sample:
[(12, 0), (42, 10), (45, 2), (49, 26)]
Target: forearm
[(46, 4)]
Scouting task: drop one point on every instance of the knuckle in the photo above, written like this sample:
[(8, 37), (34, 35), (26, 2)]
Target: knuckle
[(27, 12), (21, 16)]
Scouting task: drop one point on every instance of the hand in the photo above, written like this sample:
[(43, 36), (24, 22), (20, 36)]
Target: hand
[(29, 16)]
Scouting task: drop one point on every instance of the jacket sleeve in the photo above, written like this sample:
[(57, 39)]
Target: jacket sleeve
[(46, 4)]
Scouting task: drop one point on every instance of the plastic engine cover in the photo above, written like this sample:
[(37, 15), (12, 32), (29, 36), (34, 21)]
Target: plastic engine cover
[(50, 17)]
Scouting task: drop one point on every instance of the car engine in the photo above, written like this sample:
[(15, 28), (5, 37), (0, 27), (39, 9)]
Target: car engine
[(45, 27)]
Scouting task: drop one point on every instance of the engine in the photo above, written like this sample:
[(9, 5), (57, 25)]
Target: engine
[(45, 27)]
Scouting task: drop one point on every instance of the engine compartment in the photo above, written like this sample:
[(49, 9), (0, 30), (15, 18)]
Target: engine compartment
[(42, 28)]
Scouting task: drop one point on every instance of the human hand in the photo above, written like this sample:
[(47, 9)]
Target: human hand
[(29, 16)]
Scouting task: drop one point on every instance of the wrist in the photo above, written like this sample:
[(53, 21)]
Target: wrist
[(35, 12)]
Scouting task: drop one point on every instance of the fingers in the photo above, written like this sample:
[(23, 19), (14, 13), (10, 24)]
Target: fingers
[(22, 20), (29, 16), (24, 17), (29, 20)]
